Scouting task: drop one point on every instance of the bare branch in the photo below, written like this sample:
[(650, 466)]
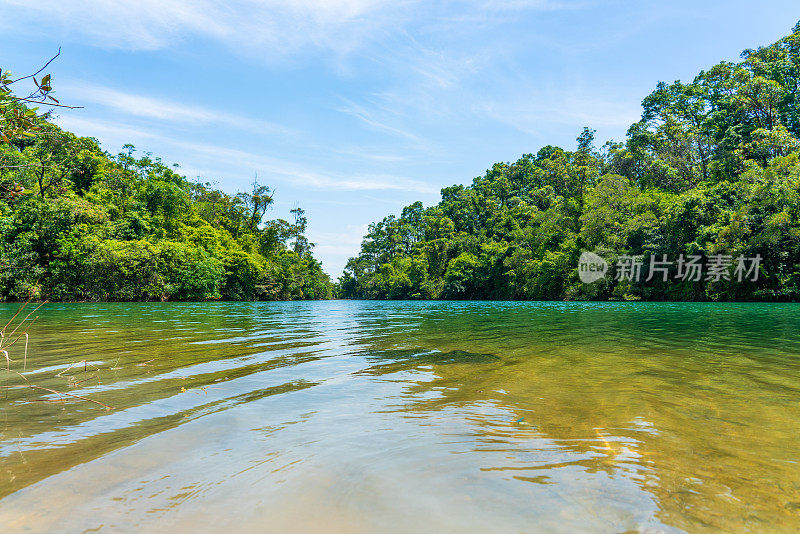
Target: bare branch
[(38, 71), (35, 101)]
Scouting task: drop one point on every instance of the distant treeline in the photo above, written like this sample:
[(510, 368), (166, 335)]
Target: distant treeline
[(77, 223), (711, 168)]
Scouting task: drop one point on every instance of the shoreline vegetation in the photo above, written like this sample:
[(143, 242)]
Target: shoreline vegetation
[(712, 167), (80, 224)]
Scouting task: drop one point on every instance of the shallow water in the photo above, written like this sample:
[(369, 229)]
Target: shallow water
[(405, 417)]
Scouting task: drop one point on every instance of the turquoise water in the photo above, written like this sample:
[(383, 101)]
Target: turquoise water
[(347, 416)]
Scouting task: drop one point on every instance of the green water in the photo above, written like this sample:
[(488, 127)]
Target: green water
[(405, 417)]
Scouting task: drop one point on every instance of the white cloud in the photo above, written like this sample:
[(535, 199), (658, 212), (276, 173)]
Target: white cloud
[(369, 154), (153, 108), (341, 243), (130, 24), (369, 118), (338, 247), (537, 109), (110, 133), (279, 25), (541, 5), (296, 173), (205, 156), (274, 27)]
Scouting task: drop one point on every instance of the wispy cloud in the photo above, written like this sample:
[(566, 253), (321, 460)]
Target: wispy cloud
[(369, 118), (164, 110), (202, 155), (129, 24), (278, 26), (115, 134), (530, 114), (369, 154), (337, 247), (274, 27), (301, 175), (341, 242)]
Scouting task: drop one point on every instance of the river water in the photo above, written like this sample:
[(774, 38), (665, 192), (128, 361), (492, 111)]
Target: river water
[(347, 416)]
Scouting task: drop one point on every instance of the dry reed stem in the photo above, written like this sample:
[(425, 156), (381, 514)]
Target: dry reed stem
[(59, 393), (26, 318), (75, 384), (4, 350), (84, 362), (14, 316)]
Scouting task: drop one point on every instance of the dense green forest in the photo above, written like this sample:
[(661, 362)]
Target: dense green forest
[(77, 223), (711, 168)]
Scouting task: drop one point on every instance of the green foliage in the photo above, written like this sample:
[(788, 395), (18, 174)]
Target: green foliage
[(712, 167), (17, 120), (79, 224)]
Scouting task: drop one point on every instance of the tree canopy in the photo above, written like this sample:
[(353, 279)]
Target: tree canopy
[(712, 167), (77, 223)]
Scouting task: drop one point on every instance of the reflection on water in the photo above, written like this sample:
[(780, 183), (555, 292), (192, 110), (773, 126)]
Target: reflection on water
[(363, 417)]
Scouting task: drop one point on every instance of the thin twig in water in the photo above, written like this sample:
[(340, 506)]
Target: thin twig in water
[(84, 362), (4, 337), (21, 335), (75, 384), (25, 319), (14, 316), (59, 393)]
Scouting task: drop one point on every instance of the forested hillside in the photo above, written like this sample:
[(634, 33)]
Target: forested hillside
[(77, 223), (711, 168)]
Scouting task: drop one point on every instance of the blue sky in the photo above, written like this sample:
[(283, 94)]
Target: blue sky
[(355, 108)]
